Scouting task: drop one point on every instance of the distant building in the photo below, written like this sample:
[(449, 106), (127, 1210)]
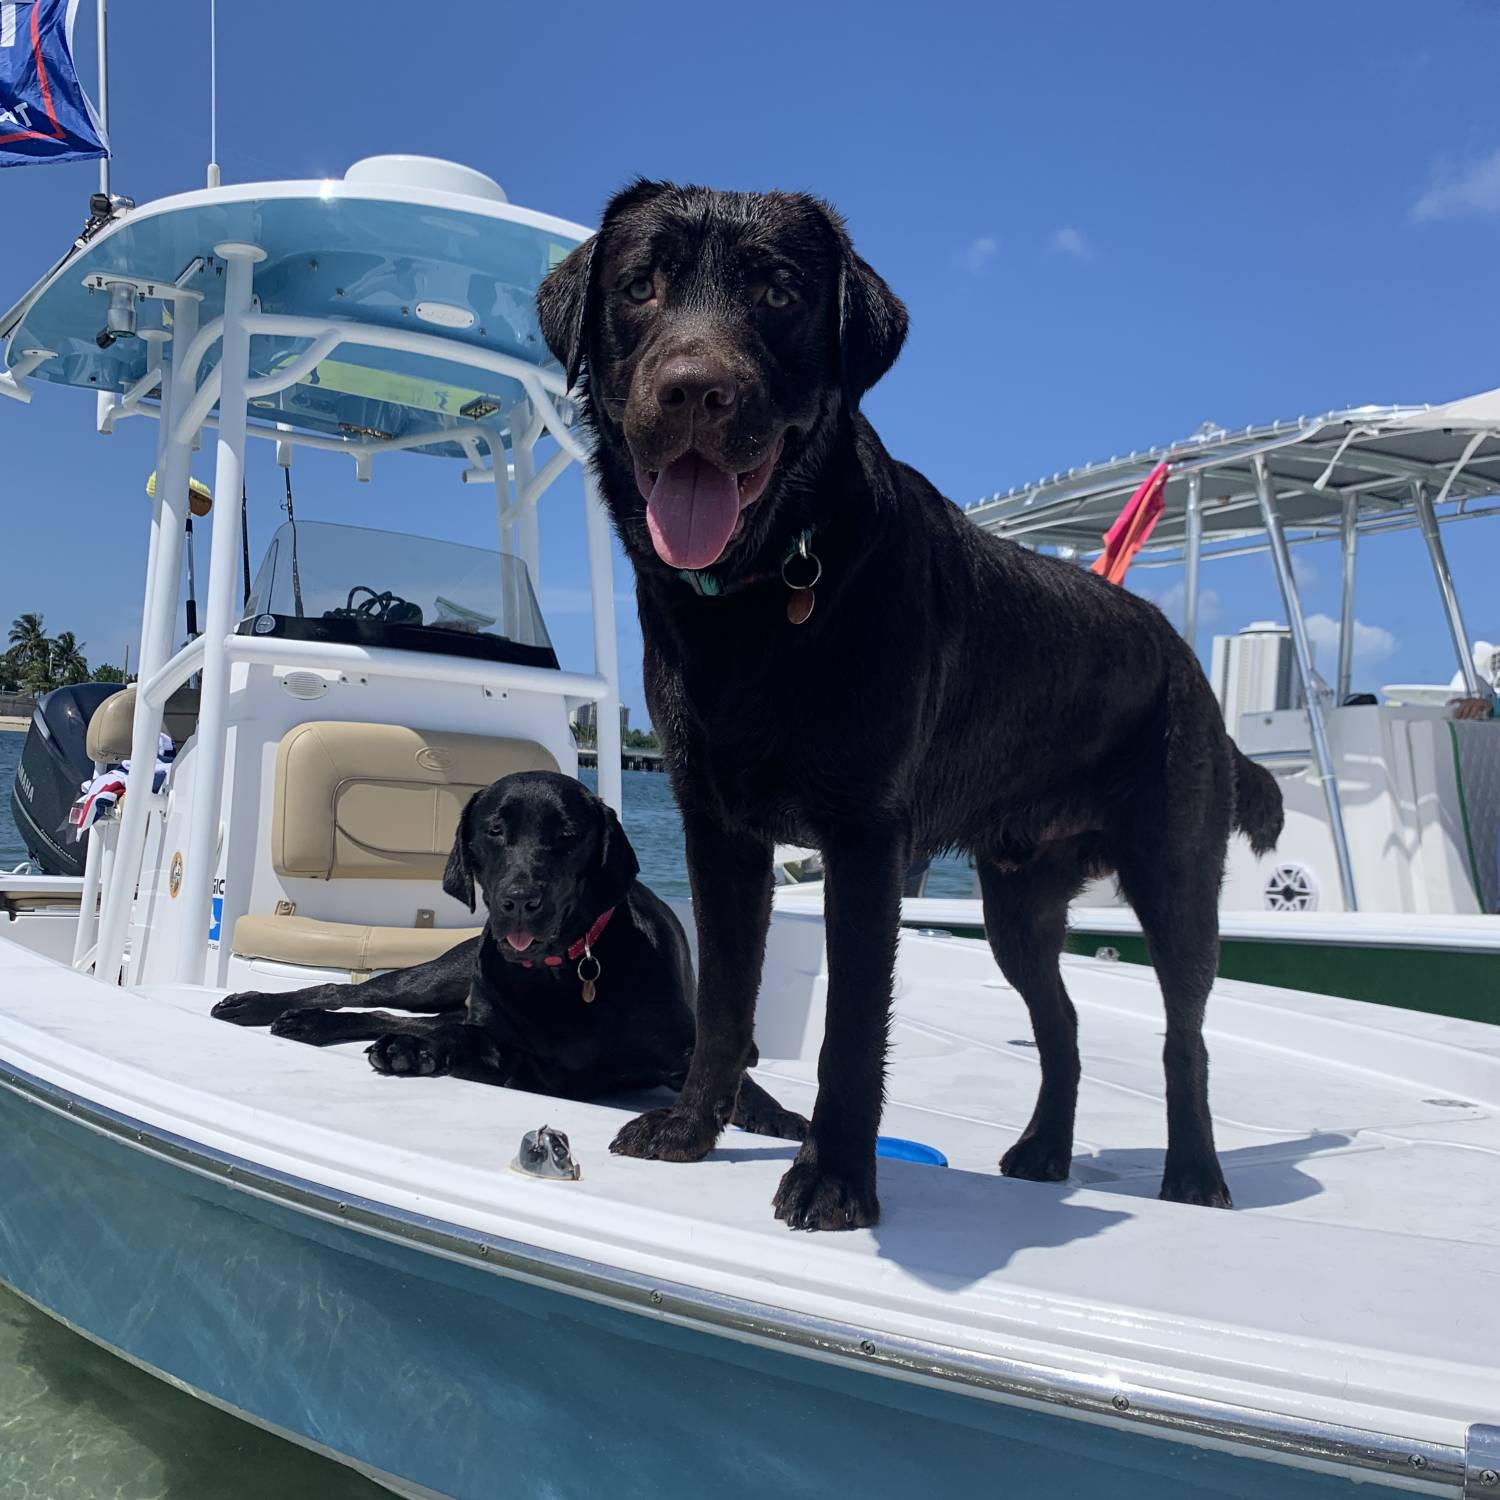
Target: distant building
[(1255, 672), (586, 716)]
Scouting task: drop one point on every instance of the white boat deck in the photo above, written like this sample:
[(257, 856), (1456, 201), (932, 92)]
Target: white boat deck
[(1358, 1282)]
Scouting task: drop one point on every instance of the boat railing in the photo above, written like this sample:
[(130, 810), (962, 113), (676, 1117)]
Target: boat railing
[(377, 661)]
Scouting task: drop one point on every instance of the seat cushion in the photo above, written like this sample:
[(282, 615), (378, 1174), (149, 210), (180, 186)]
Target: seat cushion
[(111, 724), (343, 945), (357, 801)]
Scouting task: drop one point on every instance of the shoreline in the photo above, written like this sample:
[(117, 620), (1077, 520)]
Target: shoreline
[(9, 722)]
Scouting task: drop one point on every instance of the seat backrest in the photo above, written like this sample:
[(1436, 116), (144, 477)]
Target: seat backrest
[(108, 737), (357, 801)]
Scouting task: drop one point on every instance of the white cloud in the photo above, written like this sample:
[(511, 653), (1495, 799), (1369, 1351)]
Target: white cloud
[(977, 254), (1171, 601), (1070, 241), (1304, 570), (1372, 643), (1472, 191)]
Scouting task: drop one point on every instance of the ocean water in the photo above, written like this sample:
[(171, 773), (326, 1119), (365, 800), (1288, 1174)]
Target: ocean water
[(76, 1423)]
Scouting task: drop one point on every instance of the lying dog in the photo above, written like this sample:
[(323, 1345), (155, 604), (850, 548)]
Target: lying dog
[(835, 656), (579, 986)]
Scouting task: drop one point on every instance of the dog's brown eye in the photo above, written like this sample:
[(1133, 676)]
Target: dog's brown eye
[(779, 297), (642, 289)]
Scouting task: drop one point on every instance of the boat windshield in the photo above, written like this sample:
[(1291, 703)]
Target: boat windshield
[(349, 584)]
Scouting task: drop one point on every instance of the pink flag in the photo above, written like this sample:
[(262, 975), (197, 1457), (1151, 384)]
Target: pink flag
[(1128, 535)]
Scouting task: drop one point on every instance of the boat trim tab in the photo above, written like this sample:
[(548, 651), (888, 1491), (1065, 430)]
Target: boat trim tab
[(1421, 1467)]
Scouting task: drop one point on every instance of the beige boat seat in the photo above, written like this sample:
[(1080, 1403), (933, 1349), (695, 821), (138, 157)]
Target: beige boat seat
[(108, 737), (343, 945), (356, 801)]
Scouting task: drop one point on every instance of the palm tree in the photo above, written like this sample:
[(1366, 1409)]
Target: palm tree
[(28, 635), (67, 661), (31, 653)]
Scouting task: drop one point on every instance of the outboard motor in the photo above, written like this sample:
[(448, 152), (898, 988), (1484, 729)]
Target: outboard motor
[(54, 765)]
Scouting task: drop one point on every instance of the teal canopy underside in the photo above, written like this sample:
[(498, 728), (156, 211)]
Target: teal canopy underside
[(345, 258)]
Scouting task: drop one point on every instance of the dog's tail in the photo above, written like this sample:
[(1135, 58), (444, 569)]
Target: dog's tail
[(1258, 812)]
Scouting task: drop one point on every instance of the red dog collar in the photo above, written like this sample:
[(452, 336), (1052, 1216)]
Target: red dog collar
[(581, 947)]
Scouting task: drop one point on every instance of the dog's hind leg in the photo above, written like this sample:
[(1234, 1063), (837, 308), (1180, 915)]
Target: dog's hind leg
[(730, 874), (1175, 893), (324, 1028), (1026, 921), (440, 984), (756, 1111)]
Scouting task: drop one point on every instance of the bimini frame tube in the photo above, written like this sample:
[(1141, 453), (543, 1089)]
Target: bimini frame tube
[(201, 862), (606, 647), (1427, 519), (1348, 543), (157, 617), (1322, 755), (1194, 559), (85, 938)]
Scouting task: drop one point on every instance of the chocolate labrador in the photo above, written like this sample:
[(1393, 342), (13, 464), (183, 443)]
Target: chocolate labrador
[(835, 656)]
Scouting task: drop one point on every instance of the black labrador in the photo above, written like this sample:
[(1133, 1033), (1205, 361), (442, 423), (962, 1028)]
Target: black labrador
[(580, 985), (835, 656)]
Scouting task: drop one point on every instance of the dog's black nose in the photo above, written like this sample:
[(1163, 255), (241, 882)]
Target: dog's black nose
[(523, 900), (697, 384)]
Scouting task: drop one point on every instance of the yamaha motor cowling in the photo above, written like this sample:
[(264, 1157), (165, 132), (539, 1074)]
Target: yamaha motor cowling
[(54, 765)]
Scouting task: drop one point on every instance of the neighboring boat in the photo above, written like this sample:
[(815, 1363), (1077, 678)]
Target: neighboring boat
[(1386, 882), (347, 1260)]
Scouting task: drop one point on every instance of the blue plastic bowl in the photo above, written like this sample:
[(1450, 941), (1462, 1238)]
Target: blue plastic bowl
[(895, 1148)]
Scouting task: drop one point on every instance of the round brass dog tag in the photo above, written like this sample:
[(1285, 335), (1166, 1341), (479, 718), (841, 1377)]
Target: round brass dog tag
[(799, 606)]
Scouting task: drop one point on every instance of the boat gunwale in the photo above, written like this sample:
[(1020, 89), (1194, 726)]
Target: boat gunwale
[(1419, 1466)]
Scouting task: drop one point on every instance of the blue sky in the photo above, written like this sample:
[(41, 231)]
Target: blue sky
[(1110, 223)]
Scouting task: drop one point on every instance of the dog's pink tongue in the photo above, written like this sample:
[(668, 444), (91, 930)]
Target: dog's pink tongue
[(520, 941), (691, 512)]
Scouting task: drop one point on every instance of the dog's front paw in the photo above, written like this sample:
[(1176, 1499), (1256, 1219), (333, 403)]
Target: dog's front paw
[(250, 1008), (666, 1135), (409, 1056), (1038, 1158), (315, 1027), (1200, 1182), (812, 1196)]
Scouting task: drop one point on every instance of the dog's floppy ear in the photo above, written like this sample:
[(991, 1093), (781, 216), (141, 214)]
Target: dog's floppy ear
[(563, 304), (567, 299), (618, 858), (872, 318), (458, 874)]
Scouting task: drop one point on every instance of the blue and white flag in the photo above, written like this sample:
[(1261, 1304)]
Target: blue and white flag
[(44, 113)]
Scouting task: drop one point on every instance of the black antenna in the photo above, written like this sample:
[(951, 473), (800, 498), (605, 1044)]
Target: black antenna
[(291, 516), (245, 539)]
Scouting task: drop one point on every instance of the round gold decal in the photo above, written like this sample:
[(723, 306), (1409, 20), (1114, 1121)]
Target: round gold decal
[(174, 875)]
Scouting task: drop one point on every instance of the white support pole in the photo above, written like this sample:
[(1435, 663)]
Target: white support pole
[(523, 460), (606, 644), (1348, 541), (169, 515), (1427, 519), (1194, 559), (201, 862), (87, 932), (1322, 755), (510, 605), (103, 20)]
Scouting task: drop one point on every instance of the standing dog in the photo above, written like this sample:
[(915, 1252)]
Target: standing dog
[(835, 656), (581, 983)]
